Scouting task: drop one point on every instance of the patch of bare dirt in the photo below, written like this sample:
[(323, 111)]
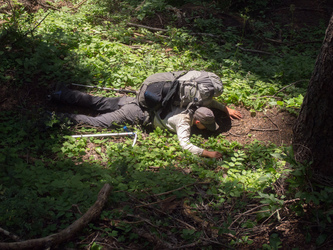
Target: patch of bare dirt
[(271, 125)]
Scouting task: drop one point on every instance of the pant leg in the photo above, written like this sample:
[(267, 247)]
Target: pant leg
[(126, 114), (97, 103)]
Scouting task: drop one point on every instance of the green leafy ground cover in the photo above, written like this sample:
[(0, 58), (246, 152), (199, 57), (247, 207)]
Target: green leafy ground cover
[(49, 178)]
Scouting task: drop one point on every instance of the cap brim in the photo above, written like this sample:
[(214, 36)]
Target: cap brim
[(212, 126)]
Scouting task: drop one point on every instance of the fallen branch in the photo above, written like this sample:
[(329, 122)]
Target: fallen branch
[(237, 135), (277, 127), (272, 122), (79, 4), (66, 234), (156, 241), (165, 30), (146, 27), (264, 129), (47, 6), (31, 31), (9, 234), (254, 51), (177, 189), (247, 212), (289, 86)]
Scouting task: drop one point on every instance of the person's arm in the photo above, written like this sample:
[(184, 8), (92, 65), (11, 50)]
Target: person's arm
[(212, 154), (183, 132), (233, 114)]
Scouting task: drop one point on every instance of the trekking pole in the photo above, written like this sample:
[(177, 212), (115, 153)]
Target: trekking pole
[(116, 90), (109, 134)]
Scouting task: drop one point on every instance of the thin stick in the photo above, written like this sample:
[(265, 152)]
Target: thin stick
[(174, 190), (254, 51), (79, 4), (249, 211), (165, 30), (31, 31), (264, 129), (146, 27), (275, 126), (9, 234), (303, 80)]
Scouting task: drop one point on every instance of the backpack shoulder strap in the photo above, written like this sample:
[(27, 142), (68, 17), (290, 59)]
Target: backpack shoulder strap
[(174, 86), (167, 101)]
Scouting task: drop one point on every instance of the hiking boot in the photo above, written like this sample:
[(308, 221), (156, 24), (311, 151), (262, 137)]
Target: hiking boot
[(59, 89)]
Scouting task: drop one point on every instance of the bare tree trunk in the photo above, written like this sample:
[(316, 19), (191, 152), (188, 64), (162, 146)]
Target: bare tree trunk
[(313, 131)]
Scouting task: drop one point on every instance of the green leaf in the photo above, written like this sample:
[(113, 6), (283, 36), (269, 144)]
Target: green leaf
[(321, 239)]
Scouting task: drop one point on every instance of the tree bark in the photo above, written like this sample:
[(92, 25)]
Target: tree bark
[(67, 233), (313, 131)]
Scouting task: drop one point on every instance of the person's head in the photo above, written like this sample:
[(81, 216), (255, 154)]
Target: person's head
[(204, 118)]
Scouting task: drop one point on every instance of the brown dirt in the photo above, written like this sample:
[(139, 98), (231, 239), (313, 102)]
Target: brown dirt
[(272, 125)]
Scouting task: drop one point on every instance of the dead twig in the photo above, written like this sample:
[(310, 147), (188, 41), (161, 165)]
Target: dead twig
[(254, 51), (92, 242), (177, 189), (164, 213), (140, 5), (245, 213), (165, 30), (156, 241), (291, 84), (272, 122), (264, 129), (146, 27), (32, 30), (276, 127), (47, 6), (237, 135), (276, 211), (79, 5), (9, 234), (157, 202), (159, 17)]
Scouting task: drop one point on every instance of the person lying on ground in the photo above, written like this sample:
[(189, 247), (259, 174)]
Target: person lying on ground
[(204, 82), (126, 110)]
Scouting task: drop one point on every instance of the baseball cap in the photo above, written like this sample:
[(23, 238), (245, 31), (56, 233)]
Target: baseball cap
[(206, 117)]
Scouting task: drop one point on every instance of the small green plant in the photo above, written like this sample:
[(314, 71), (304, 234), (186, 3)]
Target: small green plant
[(274, 242)]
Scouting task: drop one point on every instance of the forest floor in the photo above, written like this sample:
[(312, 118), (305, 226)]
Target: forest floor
[(269, 126), (272, 125)]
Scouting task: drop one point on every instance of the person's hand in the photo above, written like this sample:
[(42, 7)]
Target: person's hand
[(234, 114), (212, 154)]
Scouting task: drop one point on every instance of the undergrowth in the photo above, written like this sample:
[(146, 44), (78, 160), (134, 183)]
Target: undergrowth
[(48, 178)]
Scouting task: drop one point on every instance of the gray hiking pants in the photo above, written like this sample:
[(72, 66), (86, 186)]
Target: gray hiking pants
[(117, 110)]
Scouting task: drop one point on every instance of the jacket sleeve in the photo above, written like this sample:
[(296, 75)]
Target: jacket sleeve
[(217, 105), (183, 129)]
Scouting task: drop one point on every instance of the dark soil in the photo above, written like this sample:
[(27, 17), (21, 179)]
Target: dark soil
[(269, 126)]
